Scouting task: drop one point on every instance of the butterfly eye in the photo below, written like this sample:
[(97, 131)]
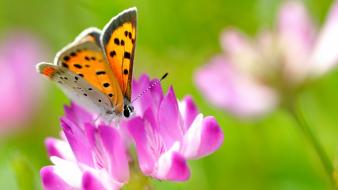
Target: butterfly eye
[(126, 113), (127, 110)]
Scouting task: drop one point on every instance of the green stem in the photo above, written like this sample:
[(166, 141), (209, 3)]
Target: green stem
[(305, 127)]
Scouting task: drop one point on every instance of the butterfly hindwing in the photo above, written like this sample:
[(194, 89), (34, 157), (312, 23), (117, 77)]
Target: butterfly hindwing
[(76, 88), (85, 58), (118, 41)]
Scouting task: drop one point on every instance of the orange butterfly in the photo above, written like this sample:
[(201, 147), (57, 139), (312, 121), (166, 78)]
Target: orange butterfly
[(96, 69)]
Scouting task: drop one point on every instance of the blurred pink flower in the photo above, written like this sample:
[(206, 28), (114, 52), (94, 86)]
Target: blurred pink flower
[(167, 132), (88, 157), (253, 76), (20, 87)]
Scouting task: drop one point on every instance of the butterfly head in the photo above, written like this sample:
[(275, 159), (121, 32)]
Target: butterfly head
[(128, 110)]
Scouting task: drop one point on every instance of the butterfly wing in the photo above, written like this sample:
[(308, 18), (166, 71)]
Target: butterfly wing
[(84, 58), (118, 41), (76, 88)]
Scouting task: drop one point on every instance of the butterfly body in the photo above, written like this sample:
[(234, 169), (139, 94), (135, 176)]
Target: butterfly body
[(95, 70)]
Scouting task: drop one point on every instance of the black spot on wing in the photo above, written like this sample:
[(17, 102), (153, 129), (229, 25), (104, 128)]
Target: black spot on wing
[(117, 41), (106, 85), (112, 53), (66, 58), (65, 65), (126, 17), (78, 66), (100, 72), (127, 55), (125, 71)]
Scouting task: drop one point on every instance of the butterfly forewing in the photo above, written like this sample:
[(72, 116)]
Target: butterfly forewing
[(86, 59), (76, 88), (118, 41)]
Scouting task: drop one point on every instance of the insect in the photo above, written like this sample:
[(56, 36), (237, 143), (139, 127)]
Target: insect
[(95, 70)]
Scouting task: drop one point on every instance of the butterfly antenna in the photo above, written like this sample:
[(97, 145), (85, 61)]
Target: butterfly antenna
[(149, 87)]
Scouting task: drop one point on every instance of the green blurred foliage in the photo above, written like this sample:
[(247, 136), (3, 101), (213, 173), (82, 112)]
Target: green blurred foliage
[(23, 172), (177, 36)]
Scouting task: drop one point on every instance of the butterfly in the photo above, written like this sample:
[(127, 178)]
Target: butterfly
[(95, 70)]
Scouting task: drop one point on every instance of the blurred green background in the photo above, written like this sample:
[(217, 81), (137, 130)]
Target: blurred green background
[(178, 36)]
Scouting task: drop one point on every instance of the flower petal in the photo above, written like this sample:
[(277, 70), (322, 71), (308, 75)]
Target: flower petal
[(169, 119), (116, 153), (78, 142), (146, 158), (179, 170), (212, 137), (144, 102), (63, 175), (59, 148), (18, 77), (296, 32), (325, 54), (51, 181), (295, 24), (234, 42), (203, 137), (172, 166), (188, 110), (77, 114), (90, 133), (226, 87), (240, 50), (150, 99), (90, 182)]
